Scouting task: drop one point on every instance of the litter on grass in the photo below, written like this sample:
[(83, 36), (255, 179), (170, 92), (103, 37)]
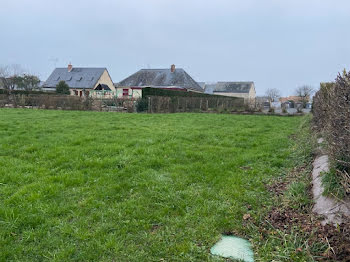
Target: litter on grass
[(234, 248)]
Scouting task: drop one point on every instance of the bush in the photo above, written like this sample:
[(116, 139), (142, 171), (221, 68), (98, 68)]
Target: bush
[(62, 88), (331, 110), (142, 105), (25, 92)]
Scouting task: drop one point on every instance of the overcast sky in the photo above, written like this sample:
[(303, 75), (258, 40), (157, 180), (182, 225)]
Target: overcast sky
[(275, 43)]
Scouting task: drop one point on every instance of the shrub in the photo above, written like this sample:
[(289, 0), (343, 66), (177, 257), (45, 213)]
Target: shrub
[(62, 88), (331, 110), (142, 105)]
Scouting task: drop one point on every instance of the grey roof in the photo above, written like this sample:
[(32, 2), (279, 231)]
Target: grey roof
[(161, 78), (201, 84), (234, 87), (209, 88), (78, 77)]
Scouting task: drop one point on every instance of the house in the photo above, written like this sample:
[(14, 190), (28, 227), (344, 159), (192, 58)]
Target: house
[(294, 101), (262, 102), (128, 91), (82, 81), (245, 90), (172, 78)]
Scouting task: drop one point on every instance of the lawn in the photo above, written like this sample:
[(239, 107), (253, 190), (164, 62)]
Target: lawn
[(93, 186)]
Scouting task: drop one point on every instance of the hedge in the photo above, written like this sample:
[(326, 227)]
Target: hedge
[(26, 92), (149, 91), (331, 115)]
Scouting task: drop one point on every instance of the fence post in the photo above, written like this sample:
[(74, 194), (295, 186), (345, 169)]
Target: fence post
[(149, 105), (169, 105)]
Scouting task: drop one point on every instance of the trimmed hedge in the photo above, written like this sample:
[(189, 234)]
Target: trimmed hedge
[(331, 111), (25, 92), (149, 91)]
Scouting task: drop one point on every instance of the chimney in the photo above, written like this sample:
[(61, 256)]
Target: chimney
[(172, 69), (70, 67)]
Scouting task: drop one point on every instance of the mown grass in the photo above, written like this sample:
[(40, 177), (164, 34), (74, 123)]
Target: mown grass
[(92, 186)]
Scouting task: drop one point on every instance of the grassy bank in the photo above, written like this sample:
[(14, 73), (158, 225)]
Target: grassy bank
[(91, 186), (290, 231)]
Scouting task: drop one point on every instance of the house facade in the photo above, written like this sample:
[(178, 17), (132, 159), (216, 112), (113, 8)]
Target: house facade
[(82, 81), (172, 78), (295, 102), (128, 92)]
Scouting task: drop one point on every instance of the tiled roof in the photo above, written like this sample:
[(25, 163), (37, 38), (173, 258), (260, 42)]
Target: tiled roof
[(78, 77), (234, 87), (161, 78), (292, 98)]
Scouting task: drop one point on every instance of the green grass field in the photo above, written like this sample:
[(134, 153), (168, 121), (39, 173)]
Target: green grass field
[(92, 186)]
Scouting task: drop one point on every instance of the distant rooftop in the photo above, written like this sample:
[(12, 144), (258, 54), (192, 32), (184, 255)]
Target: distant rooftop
[(229, 87), (77, 77), (176, 77), (234, 87)]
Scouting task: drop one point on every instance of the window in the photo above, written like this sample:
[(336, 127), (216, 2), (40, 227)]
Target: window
[(125, 92), (87, 93), (76, 92)]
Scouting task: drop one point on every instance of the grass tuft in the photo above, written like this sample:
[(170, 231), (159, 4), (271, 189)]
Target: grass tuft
[(332, 184)]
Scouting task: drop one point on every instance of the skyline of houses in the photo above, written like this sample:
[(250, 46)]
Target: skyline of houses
[(95, 82)]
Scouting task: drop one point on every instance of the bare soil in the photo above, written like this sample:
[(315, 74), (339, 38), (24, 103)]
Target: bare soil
[(284, 218)]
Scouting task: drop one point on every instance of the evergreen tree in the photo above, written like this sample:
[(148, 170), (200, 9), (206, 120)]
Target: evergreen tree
[(62, 88)]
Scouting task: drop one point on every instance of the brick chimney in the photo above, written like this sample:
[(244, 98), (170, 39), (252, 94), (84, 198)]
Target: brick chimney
[(70, 67), (172, 68)]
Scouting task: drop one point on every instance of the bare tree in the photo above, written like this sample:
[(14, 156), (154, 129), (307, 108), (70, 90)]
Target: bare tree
[(10, 76), (272, 94), (6, 82), (304, 92), (27, 82)]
